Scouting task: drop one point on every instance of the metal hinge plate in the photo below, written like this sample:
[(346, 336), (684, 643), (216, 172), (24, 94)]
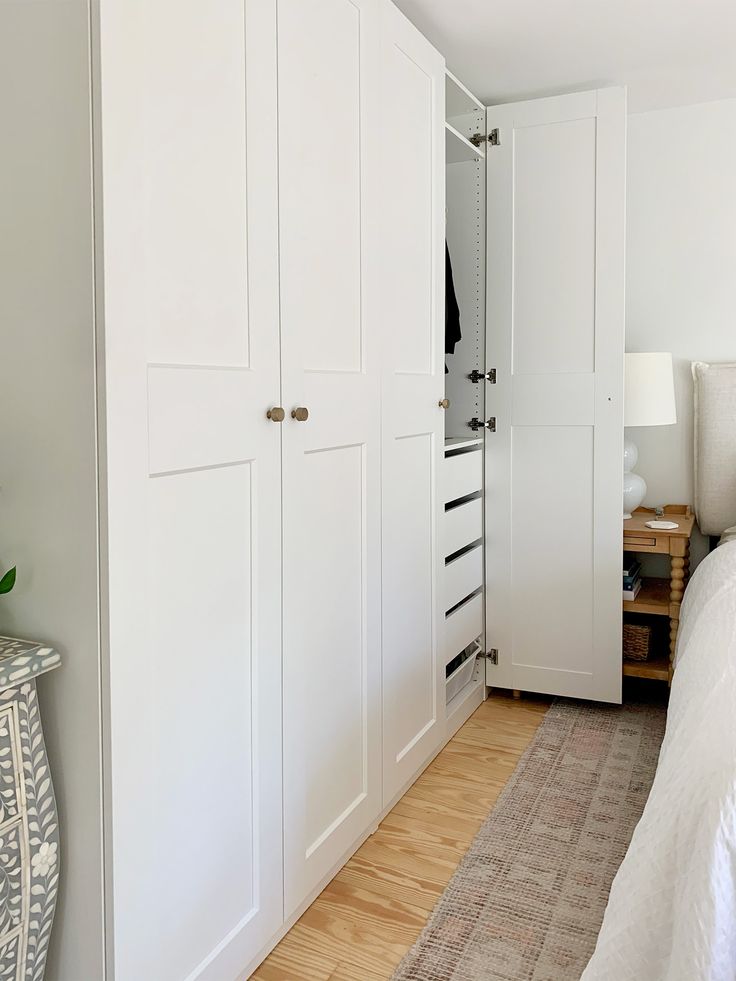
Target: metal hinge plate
[(477, 376), (492, 655), (477, 139), (476, 424), (494, 138)]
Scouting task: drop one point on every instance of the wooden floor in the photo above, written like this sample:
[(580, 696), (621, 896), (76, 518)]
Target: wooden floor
[(366, 919)]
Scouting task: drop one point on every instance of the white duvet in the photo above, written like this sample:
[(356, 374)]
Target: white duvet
[(671, 914)]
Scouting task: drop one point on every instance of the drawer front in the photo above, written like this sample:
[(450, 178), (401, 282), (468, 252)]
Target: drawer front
[(459, 678), (462, 475), (646, 543), (462, 627), (462, 576), (461, 526)]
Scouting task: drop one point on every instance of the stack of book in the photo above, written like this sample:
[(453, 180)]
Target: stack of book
[(632, 577)]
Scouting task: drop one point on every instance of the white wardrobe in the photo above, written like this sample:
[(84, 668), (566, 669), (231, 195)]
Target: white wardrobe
[(271, 226), (270, 213)]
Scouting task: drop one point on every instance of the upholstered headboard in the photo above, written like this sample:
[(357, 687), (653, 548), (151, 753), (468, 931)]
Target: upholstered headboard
[(715, 446)]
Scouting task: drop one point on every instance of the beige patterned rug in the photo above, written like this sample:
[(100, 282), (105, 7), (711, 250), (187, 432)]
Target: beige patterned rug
[(527, 900)]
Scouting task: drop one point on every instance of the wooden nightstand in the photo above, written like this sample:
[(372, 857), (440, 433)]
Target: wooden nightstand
[(661, 597)]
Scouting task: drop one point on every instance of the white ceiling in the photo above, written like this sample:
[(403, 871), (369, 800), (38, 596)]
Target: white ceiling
[(669, 52)]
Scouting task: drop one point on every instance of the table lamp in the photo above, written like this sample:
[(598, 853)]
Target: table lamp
[(649, 400)]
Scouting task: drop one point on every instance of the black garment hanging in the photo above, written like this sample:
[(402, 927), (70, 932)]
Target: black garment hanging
[(452, 310)]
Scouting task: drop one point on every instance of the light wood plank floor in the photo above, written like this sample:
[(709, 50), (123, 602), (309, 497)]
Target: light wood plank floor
[(366, 919)]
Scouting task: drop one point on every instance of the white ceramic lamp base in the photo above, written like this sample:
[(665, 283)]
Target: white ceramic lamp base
[(635, 486)]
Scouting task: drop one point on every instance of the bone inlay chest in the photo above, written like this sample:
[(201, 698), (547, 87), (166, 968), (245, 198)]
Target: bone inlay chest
[(29, 829)]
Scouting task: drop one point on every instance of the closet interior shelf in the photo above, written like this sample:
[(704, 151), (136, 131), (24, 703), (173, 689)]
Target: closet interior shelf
[(458, 99), (458, 148), (462, 442)]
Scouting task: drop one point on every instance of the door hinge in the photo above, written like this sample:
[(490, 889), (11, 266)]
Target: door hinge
[(477, 138), (494, 138), (492, 655), (476, 376), (476, 424)]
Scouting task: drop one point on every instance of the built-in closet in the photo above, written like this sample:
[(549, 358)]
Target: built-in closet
[(462, 519), (322, 536)]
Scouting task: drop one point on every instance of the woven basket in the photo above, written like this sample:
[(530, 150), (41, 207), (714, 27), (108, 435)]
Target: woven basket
[(637, 641)]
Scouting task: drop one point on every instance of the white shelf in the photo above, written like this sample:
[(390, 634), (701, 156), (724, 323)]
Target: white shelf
[(459, 100), (458, 148), (461, 442)]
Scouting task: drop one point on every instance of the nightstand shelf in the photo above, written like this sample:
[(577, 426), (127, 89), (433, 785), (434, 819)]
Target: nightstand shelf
[(654, 597), (656, 668)]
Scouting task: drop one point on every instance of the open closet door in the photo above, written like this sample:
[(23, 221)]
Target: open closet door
[(556, 228), (413, 254)]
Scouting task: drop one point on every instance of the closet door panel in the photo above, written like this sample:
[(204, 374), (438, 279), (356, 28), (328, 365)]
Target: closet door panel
[(556, 203), (413, 384), (321, 159), (195, 160), (200, 629), (328, 187), (554, 289), (192, 469), (410, 692)]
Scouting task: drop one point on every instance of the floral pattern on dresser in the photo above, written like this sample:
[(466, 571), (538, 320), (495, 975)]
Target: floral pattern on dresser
[(29, 829)]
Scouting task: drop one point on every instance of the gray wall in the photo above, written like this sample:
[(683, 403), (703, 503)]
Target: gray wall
[(48, 522), (680, 269)]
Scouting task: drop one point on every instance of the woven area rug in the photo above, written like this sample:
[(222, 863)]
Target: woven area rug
[(527, 901)]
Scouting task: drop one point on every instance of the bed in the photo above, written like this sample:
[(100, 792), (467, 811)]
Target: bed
[(671, 914)]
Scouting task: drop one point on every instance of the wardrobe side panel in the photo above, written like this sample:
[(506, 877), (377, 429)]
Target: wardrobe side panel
[(188, 201)]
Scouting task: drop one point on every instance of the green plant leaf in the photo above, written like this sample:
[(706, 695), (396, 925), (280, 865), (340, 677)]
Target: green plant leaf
[(8, 581)]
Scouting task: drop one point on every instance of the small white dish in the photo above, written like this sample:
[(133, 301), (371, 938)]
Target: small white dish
[(662, 525)]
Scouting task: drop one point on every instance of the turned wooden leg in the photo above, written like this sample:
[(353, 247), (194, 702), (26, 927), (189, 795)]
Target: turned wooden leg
[(516, 693), (674, 626), (677, 588), (677, 578)]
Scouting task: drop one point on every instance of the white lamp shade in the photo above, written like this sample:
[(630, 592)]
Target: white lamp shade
[(649, 390)]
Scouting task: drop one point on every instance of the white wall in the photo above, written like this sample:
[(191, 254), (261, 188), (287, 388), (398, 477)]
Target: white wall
[(681, 268), (47, 438)]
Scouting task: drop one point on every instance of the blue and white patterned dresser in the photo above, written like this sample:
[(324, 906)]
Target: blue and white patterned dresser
[(29, 828)]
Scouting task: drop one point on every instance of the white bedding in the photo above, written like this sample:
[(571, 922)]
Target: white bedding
[(671, 914)]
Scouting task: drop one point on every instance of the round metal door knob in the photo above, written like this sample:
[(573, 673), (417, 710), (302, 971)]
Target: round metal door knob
[(301, 414), (276, 414), (444, 403)]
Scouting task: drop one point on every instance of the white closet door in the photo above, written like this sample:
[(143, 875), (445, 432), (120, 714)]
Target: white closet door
[(191, 366), (328, 139), (556, 207), (413, 384)]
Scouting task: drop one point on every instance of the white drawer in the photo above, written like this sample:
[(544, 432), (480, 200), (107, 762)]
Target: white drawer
[(462, 627), (459, 678), (461, 526), (462, 576), (462, 475)]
